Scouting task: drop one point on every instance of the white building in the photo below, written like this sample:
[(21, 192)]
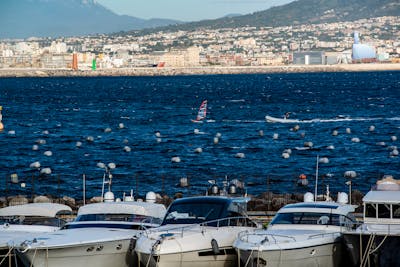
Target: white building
[(57, 47)]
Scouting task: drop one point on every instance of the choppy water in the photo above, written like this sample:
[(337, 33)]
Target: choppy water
[(64, 111)]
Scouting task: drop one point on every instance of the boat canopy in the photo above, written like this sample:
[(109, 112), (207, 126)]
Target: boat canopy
[(390, 197), (35, 209), (138, 208), (318, 207)]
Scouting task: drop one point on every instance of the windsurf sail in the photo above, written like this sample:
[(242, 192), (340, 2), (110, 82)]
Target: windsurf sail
[(1, 118), (202, 113)]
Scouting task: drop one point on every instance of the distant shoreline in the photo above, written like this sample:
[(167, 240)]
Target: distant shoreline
[(173, 71)]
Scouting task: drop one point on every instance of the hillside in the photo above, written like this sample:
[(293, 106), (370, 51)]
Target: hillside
[(52, 18), (302, 12)]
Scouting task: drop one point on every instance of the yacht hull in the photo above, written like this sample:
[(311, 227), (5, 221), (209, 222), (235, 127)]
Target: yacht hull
[(327, 255), (111, 253), (193, 248), (190, 259), (7, 257), (385, 249)]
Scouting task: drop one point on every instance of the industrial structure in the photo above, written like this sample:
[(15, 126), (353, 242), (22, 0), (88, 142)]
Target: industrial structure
[(309, 58), (362, 53)]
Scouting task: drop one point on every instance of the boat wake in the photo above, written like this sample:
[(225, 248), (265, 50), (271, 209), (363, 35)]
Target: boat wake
[(243, 121), (237, 100), (283, 120)]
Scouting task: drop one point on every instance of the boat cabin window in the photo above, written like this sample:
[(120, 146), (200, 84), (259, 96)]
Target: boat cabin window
[(191, 213), (383, 211), (370, 210), (396, 211), (312, 218)]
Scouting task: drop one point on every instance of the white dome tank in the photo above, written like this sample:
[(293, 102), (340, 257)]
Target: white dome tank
[(109, 197), (308, 197), (342, 198), (151, 197)]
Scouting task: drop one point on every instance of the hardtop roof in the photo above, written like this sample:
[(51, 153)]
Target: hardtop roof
[(127, 207), (35, 209), (318, 206)]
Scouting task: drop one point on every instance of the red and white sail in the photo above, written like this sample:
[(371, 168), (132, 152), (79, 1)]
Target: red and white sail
[(202, 113)]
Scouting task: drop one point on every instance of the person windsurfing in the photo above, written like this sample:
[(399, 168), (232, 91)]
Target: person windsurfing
[(202, 113), (1, 118)]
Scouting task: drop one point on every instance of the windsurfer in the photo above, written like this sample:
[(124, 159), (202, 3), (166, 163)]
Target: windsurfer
[(1, 118), (201, 114)]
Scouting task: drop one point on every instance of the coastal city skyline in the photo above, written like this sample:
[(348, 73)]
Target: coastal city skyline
[(320, 44), (256, 40), (188, 10)]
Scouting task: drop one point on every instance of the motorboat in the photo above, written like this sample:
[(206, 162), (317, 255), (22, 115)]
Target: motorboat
[(308, 233), (280, 120), (99, 236), (25, 220), (376, 241), (196, 231), (286, 119)]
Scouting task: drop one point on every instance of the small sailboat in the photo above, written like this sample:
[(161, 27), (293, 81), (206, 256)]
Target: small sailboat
[(202, 113)]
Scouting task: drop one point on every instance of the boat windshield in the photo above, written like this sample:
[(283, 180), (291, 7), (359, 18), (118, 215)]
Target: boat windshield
[(117, 218), (191, 213), (33, 220), (107, 225), (313, 218)]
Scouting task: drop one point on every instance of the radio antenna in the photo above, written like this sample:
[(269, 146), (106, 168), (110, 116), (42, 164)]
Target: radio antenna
[(316, 180)]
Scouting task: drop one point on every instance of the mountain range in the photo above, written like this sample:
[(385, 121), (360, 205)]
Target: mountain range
[(301, 12), (52, 18)]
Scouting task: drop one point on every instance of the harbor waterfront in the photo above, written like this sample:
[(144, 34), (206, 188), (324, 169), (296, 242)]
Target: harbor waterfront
[(167, 71)]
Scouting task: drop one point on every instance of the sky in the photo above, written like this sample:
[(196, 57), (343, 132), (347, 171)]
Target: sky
[(187, 10)]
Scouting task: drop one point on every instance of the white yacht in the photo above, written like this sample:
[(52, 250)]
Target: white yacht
[(196, 231), (302, 234), (377, 240), (99, 236), (27, 219)]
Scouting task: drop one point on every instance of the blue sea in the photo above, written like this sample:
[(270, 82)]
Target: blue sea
[(70, 125)]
